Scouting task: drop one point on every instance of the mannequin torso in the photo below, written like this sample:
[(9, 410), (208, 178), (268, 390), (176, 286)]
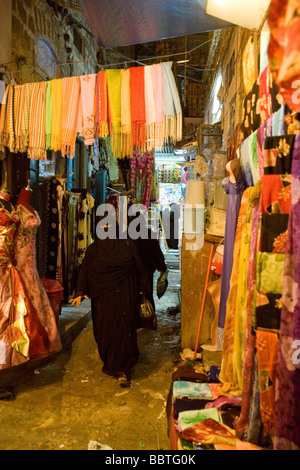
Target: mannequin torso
[(25, 198)]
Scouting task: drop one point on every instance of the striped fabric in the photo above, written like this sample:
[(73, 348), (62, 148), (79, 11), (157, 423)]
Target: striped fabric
[(71, 98), (7, 137), (26, 115), (3, 119), (18, 106), (37, 123), (49, 107), (57, 86)]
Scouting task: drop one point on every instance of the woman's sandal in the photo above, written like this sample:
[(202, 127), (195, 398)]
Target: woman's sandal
[(123, 381)]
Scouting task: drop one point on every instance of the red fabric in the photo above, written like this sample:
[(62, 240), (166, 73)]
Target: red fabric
[(138, 106)]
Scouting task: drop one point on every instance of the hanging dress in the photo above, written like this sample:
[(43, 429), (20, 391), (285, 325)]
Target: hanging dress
[(22, 337), (234, 191), (25, 258)]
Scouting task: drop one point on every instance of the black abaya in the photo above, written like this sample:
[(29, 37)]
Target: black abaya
[(112, 275)]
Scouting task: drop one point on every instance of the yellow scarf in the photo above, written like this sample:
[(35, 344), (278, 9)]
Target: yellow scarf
[(57, 88), (114, 94)]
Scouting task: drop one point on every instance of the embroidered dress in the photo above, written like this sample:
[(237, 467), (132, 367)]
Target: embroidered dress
[(234, 191), (22, 337), (25, 257)]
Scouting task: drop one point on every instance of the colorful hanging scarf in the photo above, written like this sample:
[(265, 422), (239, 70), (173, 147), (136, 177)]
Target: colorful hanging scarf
[(49, 108), (114, 79), (37, 123), (126, 138), (101, 104), (71, 97), (88, 89), (159, 104), (267, 345), (57, 111), (138, 107), (26, 115), (150, 109), (7, 137), (235, 321), (172, 105)]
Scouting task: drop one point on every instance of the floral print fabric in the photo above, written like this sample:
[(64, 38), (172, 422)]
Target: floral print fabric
[(287, 430), (283, 50)]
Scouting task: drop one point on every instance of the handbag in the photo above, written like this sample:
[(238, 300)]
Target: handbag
[(148, 318)]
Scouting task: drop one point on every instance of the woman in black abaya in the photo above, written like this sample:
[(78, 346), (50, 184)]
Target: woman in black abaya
[(112, 275)]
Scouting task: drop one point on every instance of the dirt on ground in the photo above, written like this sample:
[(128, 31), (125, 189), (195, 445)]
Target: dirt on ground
[(69, 404)]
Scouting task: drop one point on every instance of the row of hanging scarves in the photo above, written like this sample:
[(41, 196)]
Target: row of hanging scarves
[(138, 107)]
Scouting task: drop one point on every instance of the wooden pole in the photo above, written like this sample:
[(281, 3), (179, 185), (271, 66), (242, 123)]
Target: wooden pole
[(203, 300)]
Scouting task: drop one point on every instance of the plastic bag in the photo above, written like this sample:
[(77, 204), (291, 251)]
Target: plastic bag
[(147, 315), (162, 284)]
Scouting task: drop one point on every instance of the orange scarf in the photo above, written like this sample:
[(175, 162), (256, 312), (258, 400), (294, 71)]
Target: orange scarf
[(138, 107)]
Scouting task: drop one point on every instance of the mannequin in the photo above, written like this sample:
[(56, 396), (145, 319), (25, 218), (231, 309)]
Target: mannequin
[(25, 198), (5, 199), (25, 258), (234, 167)]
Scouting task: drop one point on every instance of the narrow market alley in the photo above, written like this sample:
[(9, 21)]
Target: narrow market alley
[(69, 404)]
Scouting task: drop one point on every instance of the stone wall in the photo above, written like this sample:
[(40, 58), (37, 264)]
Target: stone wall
[(44, 41)]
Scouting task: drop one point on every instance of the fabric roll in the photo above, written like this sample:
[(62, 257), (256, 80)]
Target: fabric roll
[(138, 107), (57, 110), (88, 90), (114, 80), (37, 124), (71, 97)]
